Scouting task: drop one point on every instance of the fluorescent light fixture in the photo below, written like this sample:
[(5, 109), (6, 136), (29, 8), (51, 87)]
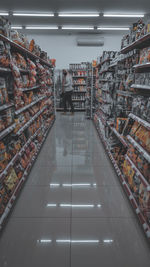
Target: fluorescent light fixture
[(4, 13), (77, 28), (54, 185), (33, 14), (99, 205), (63, 241), (16, 27), (114, 28), (124, 15), (76, 241), (78, 15), (41, 27), (45, 241), (51, 205), (108, 241), (77, 206)]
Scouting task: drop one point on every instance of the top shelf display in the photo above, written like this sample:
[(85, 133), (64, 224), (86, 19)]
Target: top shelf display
[(24, 51), (138, 44)]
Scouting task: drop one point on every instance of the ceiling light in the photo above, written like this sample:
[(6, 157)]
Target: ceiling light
[(34, 14), (44, 241), (4, 14), (54, 184), (124, 15), (16, 27), (77, 28), (114, 28), (78, 15), (41, 28)]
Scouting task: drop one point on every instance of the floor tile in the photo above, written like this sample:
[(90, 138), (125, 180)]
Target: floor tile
[(103, 201), (46, 176), (42, 201), (128, 247), (94, 174), (32, 242)]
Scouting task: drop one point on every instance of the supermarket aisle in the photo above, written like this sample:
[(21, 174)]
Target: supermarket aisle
[(72, 211)]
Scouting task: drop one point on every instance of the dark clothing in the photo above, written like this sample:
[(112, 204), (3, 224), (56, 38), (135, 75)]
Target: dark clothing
[(68, 98)]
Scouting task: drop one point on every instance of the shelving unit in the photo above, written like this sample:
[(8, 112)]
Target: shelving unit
[(127, 149), (79, 78), (30, 112)]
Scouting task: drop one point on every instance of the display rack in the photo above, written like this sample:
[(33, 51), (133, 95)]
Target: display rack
[(29, 113), (80, 79), (126, 133)]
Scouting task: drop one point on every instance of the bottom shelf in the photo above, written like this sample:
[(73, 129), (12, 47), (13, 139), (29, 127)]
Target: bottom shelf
[(131, 198), (23, 179)]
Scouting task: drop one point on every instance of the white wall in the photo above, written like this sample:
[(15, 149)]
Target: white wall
[(66, 51)]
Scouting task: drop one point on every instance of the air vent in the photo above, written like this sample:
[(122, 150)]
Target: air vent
[(90, 42)]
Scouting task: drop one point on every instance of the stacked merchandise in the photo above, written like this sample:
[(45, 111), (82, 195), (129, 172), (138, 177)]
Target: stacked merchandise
[(79, 76), (139, 31), (94, 73), (88, 102), (26, 115), (105, 87), (91, 80), (127, 137)]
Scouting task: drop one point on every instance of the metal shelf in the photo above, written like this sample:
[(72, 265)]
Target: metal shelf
[(2, 69), (140, 86), (7, 131), (140, 175), (29, 89), (130, 196), (23, 179), (140, 43), (125, 93), (120, 137), (142, 66), (25, 51), (104, 61), (30, 121), (17, 112), (139, 148), (6, 106), (139, 120)]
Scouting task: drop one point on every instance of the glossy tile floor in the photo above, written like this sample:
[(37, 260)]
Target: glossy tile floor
[(72, 211)]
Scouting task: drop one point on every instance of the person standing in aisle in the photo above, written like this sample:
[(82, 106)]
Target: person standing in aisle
[(67, 91)]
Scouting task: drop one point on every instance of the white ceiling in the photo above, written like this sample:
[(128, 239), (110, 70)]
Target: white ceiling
[(116, 6)]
